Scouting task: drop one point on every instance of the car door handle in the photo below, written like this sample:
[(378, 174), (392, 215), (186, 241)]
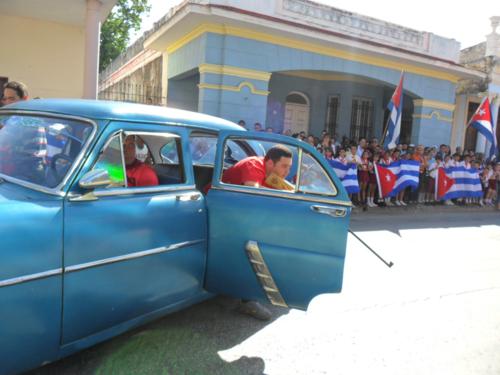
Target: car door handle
[(188, 197), (330, 211)]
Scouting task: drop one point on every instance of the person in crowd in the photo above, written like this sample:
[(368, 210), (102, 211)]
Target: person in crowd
[(257, 127), (418, 156), (138, 173), (341, 156), (434, 165), (328, 153), (361, 147), (364, 177), (14, 91), (372, 180), (311, 140), (497, 173), (385, 160), (242, 123), (288, 132), (269, 130), (491, 177), (326, 142), (302, 136)]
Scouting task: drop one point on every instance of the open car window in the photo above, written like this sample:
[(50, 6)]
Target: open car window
[(310, 178), (40, 150), (140, 159)]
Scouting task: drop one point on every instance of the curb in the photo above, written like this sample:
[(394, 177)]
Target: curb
[(417, 208)]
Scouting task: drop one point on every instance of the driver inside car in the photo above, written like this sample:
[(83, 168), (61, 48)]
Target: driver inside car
[(138, 173)]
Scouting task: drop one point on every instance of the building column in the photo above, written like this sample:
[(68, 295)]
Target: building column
[(432, 122), (92, 35), (234, 94)]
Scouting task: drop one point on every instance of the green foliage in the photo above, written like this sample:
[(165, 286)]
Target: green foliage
[(125, 16)]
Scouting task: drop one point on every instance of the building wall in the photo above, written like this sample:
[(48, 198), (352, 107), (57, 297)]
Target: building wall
[(234, 95), (318, 92), (139, 86), (183, 93), (48, 57)]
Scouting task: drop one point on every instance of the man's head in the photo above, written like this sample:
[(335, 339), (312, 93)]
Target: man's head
[(362, 142), (129, 149), (242, 123), (14, 92), (269, 130), (257, 127), (278, 160)]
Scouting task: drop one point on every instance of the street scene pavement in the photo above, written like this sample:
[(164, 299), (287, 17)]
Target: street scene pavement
[(436, 311)]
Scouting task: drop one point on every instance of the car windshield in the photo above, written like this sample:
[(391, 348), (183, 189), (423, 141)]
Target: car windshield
[(40, 150)]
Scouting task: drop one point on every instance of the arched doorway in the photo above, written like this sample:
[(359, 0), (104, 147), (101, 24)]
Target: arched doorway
[(297, 112)]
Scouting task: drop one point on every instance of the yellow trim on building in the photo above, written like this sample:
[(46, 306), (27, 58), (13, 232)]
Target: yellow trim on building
[(238, 88), (234, 71), (329, 77), (434, 104), (436, 114), (308, 47)]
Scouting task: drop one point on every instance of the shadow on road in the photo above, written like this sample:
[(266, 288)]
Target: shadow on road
[(186, 342)]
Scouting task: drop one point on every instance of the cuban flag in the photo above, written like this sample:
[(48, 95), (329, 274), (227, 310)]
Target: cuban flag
[(395, 106), (443, 184), (494, 123), (481, 121), (466, 183), (348, 174), (397, 176)]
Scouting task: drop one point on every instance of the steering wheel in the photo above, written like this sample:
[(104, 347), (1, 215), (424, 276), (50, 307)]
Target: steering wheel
[(65, 167)]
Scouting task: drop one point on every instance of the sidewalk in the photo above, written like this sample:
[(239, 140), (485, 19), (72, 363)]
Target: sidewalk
[(417, 208)]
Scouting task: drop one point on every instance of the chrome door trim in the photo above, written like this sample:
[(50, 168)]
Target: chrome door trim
[(139, 254), (31, 277), (263, 274), (280, 194), (132, 190)]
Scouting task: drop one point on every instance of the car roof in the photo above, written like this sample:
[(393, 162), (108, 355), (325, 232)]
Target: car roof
[(122, 111)]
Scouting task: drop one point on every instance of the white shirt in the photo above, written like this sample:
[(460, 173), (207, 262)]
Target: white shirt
[(141, 154)]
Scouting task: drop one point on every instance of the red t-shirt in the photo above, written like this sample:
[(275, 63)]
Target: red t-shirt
[(248, 169), (140, 174)]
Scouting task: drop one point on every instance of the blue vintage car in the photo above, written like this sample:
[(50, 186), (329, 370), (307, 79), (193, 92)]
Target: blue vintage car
[(84, 256)]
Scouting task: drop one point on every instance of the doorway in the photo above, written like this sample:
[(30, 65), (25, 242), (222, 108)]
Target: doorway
[(297, 109)]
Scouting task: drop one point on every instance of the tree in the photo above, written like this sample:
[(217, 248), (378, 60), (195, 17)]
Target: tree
[(125, 16)]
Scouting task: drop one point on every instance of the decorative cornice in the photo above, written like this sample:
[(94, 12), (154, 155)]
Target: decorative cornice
[(238, 88), (329, 77), (434, 104), (235, 71), (308, 47)]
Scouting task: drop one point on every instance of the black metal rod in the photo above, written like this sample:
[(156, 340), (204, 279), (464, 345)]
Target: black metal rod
[(388, 264)]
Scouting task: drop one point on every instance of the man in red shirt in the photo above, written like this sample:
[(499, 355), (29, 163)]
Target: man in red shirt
[(253, 171), (138, 173)]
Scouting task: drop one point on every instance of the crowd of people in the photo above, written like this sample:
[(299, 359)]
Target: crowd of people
[(366, 153)]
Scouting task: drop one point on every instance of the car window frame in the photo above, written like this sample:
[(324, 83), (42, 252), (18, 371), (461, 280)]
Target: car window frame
[(117, 191), (296, 194)]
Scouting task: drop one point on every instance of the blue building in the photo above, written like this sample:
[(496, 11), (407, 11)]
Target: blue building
[(296, 65)]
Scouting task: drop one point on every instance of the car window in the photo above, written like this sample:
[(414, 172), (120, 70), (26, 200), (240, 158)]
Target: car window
[(142, 160), (283, 176), (111, 160), (40, 150), (313, 178), (203, 148)]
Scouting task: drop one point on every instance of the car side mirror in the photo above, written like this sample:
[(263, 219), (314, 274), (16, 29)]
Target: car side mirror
[(96, 178)]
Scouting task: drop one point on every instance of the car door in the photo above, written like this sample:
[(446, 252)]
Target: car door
[(284, 247), (132, 251)]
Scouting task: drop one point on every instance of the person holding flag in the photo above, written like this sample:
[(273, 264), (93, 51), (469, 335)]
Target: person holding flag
[(393, 127)]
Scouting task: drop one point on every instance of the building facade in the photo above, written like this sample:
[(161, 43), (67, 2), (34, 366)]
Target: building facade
[(300, 66), (55, 52)]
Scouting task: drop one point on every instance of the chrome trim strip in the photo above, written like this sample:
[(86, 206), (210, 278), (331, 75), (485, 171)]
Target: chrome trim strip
[(263, 274), (33, 276), (280, 194), (143, 190), (76, 163), (139, 254)]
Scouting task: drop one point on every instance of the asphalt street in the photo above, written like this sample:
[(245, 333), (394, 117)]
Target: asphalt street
[(437, 311)]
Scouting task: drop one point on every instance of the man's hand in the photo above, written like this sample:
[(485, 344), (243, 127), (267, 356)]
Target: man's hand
[(276, 182)]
